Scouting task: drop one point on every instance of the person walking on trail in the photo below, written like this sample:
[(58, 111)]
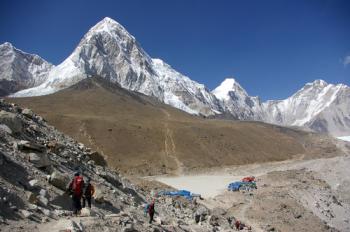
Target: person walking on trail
[(89, 191), (151, 212), (76, 188), (145, 209)]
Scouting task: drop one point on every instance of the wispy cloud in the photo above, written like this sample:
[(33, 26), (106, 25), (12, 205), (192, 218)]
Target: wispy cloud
[(346, 61)]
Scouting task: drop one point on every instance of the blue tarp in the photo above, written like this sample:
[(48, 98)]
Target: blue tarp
[(234, 186), (183, 193)]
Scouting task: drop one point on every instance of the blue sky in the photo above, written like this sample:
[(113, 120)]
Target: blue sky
[(272, 47)]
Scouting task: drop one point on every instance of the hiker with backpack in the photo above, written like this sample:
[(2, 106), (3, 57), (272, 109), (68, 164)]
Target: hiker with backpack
[(89, 191), (151, 211), (76, 188)]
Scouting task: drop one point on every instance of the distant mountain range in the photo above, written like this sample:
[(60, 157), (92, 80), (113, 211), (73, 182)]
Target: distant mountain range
[(110, 52)]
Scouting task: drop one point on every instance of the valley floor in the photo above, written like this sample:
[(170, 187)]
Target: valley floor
[(294, 195)]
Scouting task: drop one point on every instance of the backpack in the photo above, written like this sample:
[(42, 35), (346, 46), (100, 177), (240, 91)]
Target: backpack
[(89, 190), (145, 209), (151, 208), (78, 184)]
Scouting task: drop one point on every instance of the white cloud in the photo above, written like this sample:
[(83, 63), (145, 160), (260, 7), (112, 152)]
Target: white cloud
[(346, 61)]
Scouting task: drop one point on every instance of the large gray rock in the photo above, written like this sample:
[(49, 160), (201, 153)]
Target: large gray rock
[(42, 201), (28, 112), (26, 214), (39, 160), (201, 213), (99, 196), (12, 121), (5, 128), (30, 146), (59, 180)]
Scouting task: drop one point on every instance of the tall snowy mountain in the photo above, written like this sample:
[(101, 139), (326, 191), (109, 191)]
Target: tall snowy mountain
[(109, 51), (319, 106), (20, 70), (237, 102)]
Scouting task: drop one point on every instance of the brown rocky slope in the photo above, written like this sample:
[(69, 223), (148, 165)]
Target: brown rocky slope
[(139, 135)]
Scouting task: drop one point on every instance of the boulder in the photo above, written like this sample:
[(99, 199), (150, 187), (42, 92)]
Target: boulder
[(85, 212), (28, 112), (43, 192), (81, 146), (217, 220), (33, 182), (12, 121), (5, 128), (42, 201), (59, 180), (32, 207), (26, 213), (40, 160), (32, 198), (201, 213), (29, 146), (46, 212), (98, 196)]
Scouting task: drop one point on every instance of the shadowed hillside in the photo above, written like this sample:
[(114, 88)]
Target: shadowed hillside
[(139, 135)]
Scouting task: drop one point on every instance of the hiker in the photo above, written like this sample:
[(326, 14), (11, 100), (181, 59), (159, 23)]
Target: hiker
[(145, 209), (151, 211), (240, 226), (76, 188), (89, 191)]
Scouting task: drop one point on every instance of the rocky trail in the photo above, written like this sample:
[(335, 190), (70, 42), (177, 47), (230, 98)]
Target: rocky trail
[(170, 147)]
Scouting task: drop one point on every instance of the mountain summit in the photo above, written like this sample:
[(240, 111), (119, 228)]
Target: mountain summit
[(109, 51), (237, 101)]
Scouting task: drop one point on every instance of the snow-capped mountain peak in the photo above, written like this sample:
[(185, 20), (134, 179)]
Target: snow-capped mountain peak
[(317, 82), (20, 70), (237, 101), (229, 85), (308, 105), (107, 50), (6, 45), (111, 27)]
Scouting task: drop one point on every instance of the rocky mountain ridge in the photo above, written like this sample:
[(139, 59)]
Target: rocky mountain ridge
[(20, 70), (109, 51)]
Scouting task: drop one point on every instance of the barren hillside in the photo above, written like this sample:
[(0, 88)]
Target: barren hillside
[(139, 135)]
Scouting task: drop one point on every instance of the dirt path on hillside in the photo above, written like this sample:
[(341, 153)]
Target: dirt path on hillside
[(84, 133), (170, 147)]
